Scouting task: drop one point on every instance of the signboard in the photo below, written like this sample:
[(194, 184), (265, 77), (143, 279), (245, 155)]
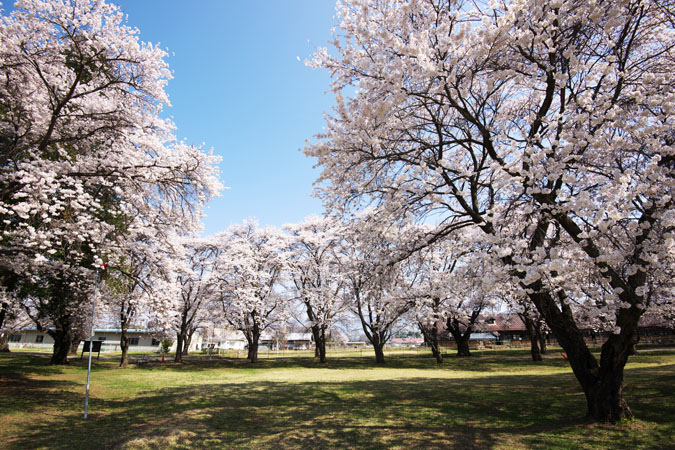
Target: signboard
[(96, 348)]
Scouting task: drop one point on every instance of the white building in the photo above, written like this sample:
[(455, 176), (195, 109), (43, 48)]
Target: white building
[(220, 338), (140, 340)]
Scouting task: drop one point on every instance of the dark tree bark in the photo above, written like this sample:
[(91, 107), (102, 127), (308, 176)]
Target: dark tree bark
[(124, 346), (127, 314), (8, 280), (461, 333), (377, 340), (541, 335), (431, 338), (602, 383), (183, 334), (4, 337), (75, 345), (322, 351), (253, 345), (378, 346), (4, 306), (530, 326), (63, 339), (4, 343), (253, 338), (319, 334), (252, 352), (463, 347), (80, 332), (186, 344), (179, 348)]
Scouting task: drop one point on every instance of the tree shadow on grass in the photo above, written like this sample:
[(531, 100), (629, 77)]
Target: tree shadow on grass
[(20, 393), (452, 363), (483, 412), (39, 364), (419, 413)]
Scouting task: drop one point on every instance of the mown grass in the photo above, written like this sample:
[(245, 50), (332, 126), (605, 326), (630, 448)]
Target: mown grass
[(499, 400)]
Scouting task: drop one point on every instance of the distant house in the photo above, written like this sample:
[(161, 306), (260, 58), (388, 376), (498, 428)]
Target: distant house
[(482, 338), (299, 341), (292, 341), (140, 340), (30, 338), (508, 328), (407, 342), (225, 340)]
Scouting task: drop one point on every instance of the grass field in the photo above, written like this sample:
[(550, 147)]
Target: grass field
[(492, 400)]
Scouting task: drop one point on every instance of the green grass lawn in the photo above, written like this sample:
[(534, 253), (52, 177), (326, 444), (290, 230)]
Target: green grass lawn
[(492, 400)]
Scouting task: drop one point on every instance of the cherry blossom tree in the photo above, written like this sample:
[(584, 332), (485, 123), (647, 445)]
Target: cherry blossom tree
[(520, 307), (12, 318), (452, 291), (431, 270), (536, 330), (87, 161), (197, 278), (468, 303), (141, 287), (529, 120), (315, 274), (251, 267), (376, 287)]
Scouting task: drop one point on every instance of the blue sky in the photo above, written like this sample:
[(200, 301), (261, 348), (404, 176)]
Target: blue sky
[(239, 88)]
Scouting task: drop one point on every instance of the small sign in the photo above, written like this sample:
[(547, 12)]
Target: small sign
[(96, 348)]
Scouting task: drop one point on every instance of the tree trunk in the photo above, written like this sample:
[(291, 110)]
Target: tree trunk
[(63, 338), (179, 348), (604, 396), (601, 383), (253, 338), (253, 351), (186, 344), (463, 347), (4, 337), (542, 340), (4, 343), (319, 334), (530, 326), (377, 339), (321, 345), (534, 350), (437, 354), (4, 306), (322, 352), (461, 339), (379, 353), (431, 339), (80, 332), (75, 345), (124, 346)]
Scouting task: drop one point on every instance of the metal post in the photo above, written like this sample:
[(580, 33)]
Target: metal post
[(91, 339)]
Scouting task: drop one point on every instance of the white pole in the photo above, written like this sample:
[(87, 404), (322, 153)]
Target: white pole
[(91, 338)]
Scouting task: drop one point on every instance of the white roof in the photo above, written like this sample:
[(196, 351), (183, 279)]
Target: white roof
[(482, 337), (299, 337)]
